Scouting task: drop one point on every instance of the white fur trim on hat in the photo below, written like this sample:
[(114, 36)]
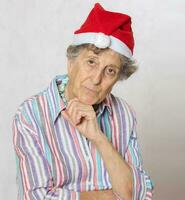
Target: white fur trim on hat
[(101, 40)]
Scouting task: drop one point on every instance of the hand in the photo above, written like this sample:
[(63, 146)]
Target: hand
[(82, 117), (98, 195)]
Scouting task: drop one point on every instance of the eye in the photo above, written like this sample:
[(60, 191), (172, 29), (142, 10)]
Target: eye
[(110, 71), (91, 62)]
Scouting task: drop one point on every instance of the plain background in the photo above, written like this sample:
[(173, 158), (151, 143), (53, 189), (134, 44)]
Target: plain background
[(33, 37)]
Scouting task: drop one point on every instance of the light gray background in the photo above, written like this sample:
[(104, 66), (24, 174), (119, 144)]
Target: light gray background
[(33, 37)]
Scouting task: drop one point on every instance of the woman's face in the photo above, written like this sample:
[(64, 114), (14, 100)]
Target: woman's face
[(92, 76)]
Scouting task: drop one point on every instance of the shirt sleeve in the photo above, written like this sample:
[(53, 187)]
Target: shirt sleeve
[(142, 183), (34, 177)]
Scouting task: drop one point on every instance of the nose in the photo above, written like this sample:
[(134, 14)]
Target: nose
[(96, 77)]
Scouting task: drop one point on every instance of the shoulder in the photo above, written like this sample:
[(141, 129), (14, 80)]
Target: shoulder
[(119, 101), (27, 108), (123, 108)]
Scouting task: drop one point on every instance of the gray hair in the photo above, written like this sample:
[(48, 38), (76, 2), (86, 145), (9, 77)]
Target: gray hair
[(128, 66)]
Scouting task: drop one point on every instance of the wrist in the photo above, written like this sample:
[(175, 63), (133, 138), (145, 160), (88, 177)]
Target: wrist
[(99, 139)]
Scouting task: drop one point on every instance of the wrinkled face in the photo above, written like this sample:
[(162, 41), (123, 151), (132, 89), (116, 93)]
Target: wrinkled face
[(92, 76)]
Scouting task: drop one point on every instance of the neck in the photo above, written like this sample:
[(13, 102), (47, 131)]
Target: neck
[(95, 106)]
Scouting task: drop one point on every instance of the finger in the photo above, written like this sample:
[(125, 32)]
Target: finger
[(77, 116), (77, 102), (67, 117), (74, 103), (72, 100), (72, 113), (79, 112), (74, 109), (78, 105)]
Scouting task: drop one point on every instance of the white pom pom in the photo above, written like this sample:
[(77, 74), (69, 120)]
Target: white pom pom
[(102, 40)]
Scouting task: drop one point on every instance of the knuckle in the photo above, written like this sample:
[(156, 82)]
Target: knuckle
[(78, 112)]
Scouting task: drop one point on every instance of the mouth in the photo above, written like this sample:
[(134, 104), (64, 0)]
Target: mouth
[(91, 90)]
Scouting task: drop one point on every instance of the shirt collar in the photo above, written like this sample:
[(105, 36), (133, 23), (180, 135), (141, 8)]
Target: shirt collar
[(57, 104), (105, 104), (55, 101)]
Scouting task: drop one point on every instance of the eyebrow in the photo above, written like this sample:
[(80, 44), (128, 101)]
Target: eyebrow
[(96, 57), (92, 57), (115, 66)]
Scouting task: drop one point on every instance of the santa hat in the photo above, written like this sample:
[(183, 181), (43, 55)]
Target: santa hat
[(106, 29)]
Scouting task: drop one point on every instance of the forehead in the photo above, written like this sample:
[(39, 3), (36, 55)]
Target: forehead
[(107, 55)]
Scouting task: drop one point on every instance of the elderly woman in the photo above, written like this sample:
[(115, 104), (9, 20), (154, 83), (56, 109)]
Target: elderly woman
[(76, 140)]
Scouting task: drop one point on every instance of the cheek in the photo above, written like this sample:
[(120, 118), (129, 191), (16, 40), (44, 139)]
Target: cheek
[(74, 75), (105, 92), (79, 80), (109, 84), (106, 89)]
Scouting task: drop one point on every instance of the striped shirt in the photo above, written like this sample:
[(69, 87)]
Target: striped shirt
[(54, 161)]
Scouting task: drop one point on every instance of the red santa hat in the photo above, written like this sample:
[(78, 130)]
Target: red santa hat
[(106, 29)]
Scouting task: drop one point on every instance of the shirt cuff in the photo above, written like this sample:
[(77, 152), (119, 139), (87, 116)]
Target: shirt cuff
[(142, 185)]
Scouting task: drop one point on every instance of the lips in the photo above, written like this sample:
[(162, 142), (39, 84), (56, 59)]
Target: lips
[(91, 90)]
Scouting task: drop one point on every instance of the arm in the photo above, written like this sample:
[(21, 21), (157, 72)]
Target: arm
[(34, 177), (129, 180), (118, 169), (98, 195), (84, 119), (142, 184)]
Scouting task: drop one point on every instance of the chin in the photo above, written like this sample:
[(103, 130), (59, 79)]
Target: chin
[(87, 100)]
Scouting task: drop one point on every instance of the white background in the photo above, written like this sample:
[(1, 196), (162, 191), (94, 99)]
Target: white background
[(33, 37)]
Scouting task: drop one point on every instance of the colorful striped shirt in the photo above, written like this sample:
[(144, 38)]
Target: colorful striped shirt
[(54, 161)]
